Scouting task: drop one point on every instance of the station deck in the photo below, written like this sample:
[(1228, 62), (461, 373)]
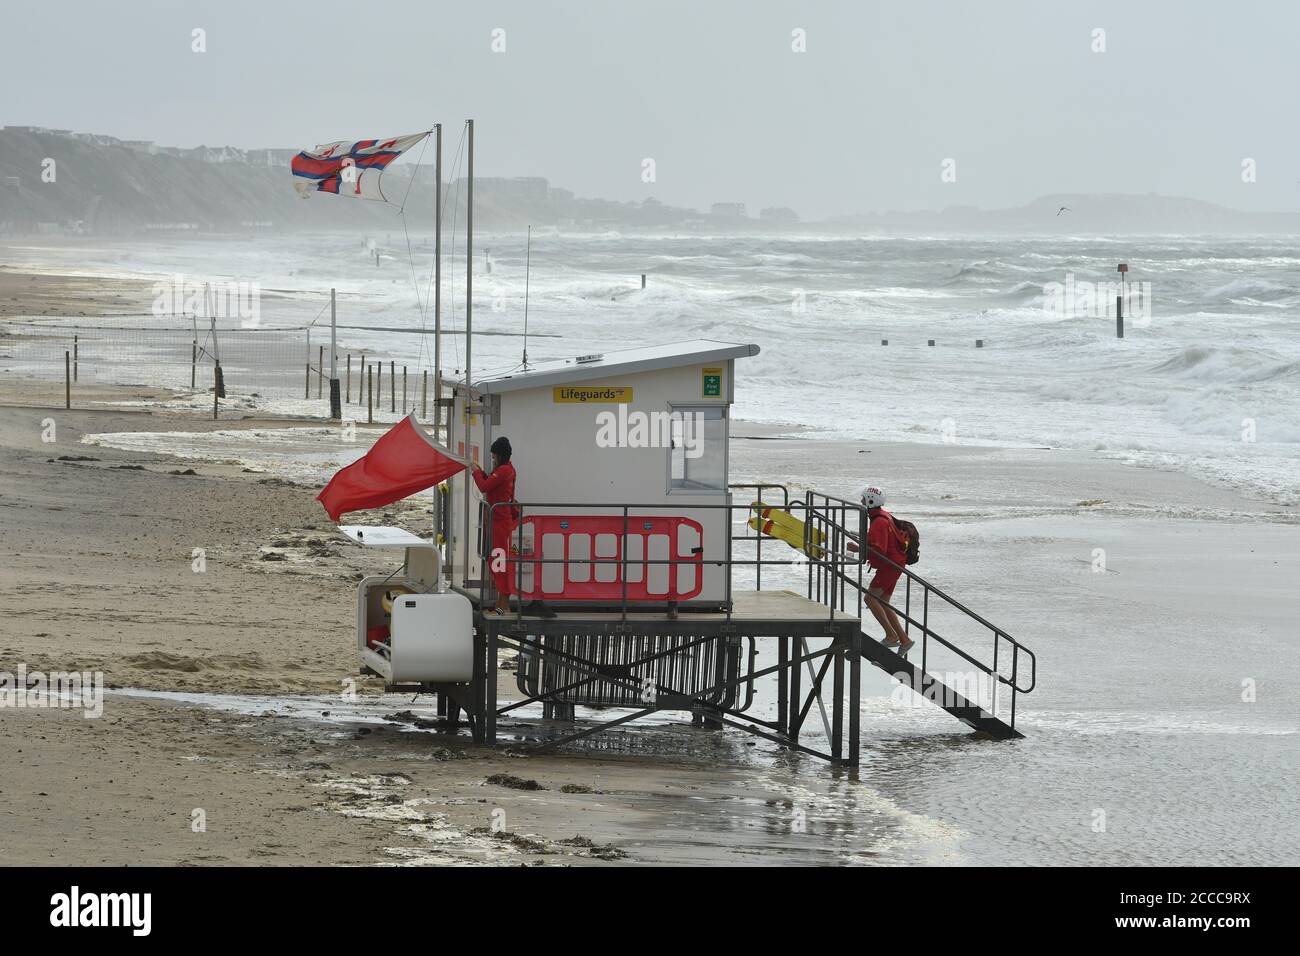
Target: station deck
[(772, 611)]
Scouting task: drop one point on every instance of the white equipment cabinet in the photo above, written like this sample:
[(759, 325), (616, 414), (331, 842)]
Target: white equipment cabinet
[(430, 636)]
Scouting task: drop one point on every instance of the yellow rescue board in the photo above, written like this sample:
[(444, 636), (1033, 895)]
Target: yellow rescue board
[(779, 524)]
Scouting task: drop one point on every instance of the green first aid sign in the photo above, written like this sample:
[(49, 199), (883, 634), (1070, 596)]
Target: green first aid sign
[(712, 378)]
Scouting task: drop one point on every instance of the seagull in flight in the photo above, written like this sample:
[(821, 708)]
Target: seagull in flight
[(1063, 209)]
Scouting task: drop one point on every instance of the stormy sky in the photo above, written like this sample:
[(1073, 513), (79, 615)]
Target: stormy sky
[(1016, 94)]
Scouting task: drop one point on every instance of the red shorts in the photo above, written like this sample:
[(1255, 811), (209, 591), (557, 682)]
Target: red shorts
[(885, 580)]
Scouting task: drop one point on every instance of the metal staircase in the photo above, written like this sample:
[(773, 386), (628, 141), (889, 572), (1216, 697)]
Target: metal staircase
[(840, 582), (935, 690)]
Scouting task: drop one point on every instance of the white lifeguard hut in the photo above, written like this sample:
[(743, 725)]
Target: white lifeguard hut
[(623, 564), (638, 438)]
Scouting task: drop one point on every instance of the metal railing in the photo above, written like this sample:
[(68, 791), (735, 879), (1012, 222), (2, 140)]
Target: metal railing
[(835, 580), (628, 512), (831, 581), (757, 537)]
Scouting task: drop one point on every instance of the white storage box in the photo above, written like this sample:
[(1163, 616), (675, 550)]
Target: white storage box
[(432, 639)]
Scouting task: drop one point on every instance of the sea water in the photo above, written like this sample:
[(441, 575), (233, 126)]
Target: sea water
[(1205, 380)]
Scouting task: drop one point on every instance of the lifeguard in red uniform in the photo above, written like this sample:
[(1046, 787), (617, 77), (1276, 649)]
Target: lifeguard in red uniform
[(499, 487)]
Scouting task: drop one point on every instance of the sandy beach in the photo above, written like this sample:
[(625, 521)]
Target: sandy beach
[(228, 673), (26, 292)]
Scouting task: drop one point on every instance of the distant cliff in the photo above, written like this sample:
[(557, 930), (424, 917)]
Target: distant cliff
[(106, 186)]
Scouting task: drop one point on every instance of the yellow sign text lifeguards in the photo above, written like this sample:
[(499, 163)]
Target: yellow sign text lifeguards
[(597, 394)]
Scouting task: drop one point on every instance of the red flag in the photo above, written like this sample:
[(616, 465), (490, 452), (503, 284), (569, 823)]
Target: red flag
[(404, 460)]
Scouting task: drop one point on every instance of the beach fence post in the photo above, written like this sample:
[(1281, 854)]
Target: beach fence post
[(643, 280), (403, 389), (194, 362), (392, 386), (1119, 301), (75, 361), (347, 391), (336, 407), (320, 369), (370, 393), (379, 385), (306, 385), (220, 380), (424, 396), (67, 379)]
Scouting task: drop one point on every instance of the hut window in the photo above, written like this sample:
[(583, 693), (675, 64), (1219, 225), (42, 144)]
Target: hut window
[(697, 459)]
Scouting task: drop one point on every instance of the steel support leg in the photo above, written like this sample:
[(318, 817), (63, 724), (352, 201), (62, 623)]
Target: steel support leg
[(476, 683), (795, 696), (855, 694), (782, 686), (837, 705), (490, 688)]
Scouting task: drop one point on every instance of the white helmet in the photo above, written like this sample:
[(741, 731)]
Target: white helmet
[(873, 497)]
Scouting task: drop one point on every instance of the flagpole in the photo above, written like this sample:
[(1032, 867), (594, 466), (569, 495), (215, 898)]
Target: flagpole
[(469, 259), (437, 286), (469, 333)]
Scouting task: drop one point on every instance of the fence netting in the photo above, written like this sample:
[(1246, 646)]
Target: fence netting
[(263, 362)]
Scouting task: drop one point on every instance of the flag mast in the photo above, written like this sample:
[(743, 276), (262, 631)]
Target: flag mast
[(437, 286), (469, 260)]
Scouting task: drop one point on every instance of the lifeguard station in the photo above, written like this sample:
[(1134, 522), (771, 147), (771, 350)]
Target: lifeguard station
[(633, 543)]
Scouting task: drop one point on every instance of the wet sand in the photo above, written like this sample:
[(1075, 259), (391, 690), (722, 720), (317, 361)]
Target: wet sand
[(27, 292)]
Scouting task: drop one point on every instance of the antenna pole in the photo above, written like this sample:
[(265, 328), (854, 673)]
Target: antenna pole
[(528, 271), (469, 259), (469, 331), (437, 284)]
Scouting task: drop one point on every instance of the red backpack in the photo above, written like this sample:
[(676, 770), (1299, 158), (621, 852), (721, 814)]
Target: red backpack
[(910, 538)]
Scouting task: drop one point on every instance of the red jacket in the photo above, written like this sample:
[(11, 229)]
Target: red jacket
[(884, 538), (497, 488)]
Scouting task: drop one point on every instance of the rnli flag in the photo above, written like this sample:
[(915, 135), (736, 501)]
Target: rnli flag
[(404, 460), (349, 169)]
